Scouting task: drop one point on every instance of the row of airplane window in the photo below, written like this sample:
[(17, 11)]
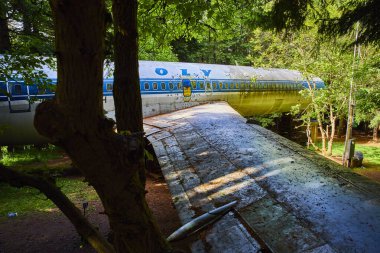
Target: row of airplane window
[(197, 85)]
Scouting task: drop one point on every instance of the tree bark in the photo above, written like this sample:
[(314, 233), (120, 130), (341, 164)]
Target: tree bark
[(375, 137), (341, 127), (332, 134), (111, 163), (146, 236), (126, 76)]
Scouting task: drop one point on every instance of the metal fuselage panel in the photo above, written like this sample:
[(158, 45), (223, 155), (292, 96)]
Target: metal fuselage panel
[(166, 87)]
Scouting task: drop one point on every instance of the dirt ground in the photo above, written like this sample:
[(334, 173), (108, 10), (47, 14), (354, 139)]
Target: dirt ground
[(51, 232)]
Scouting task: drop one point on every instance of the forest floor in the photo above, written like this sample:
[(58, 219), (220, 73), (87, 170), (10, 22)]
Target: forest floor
[(41, 227), (48, 230), (370, 168), (363, 143)]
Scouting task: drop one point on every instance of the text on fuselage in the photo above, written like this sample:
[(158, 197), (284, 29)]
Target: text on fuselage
[(184, 72)]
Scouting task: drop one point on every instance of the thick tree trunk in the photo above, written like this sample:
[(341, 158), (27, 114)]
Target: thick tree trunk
[(143, 235), (111, 163), (126, 76)]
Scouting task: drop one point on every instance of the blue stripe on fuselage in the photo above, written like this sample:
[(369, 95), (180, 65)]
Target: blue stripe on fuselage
[(152, 86)]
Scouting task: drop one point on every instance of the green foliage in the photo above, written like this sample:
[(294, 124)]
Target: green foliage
[(267, 120), (150, 50), (364, 12), (199, 31), (30, 26), (334, 18), (368, 106)]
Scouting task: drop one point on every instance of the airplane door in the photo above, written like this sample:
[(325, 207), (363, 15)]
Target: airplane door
[(186, 89), (21, 94), (208, 87)]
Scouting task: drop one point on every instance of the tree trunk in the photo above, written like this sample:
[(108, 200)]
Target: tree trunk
[(5, 41), (146, 236), (331, 136), (375, 137), (341, 126), (111, 163), (331, 139), (323, 134)]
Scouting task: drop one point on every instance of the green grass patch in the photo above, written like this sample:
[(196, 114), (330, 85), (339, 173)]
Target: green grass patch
[(27, 199), (50, 161), (29, 155), (371, 154)]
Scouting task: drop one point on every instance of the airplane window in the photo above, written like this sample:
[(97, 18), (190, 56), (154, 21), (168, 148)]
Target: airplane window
[(232, 85), (163, 86), (171, 86), (237, 85), (179, 86), (146, 86), (194, 84), (214, 85), (208, 85), (251, 86), (202, 86), (220, 85), (17, 89), (247, 86), (226, 85), (155, 86), (109, 86)]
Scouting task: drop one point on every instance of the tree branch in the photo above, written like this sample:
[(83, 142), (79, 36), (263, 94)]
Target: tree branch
[(84, 228)]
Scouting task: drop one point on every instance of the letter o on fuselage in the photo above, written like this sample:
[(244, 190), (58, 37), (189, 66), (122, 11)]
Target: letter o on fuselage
[(161, 71)]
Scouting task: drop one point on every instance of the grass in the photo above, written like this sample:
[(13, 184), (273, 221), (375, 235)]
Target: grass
[(47, 161), (27, 199), (371, 161), (29, 155), (371, 154)]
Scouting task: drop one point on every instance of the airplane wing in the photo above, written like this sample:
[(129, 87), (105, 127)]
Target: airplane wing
[(289, 199)]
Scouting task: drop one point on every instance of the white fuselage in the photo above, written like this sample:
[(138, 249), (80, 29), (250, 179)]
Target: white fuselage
[(166, 87)]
